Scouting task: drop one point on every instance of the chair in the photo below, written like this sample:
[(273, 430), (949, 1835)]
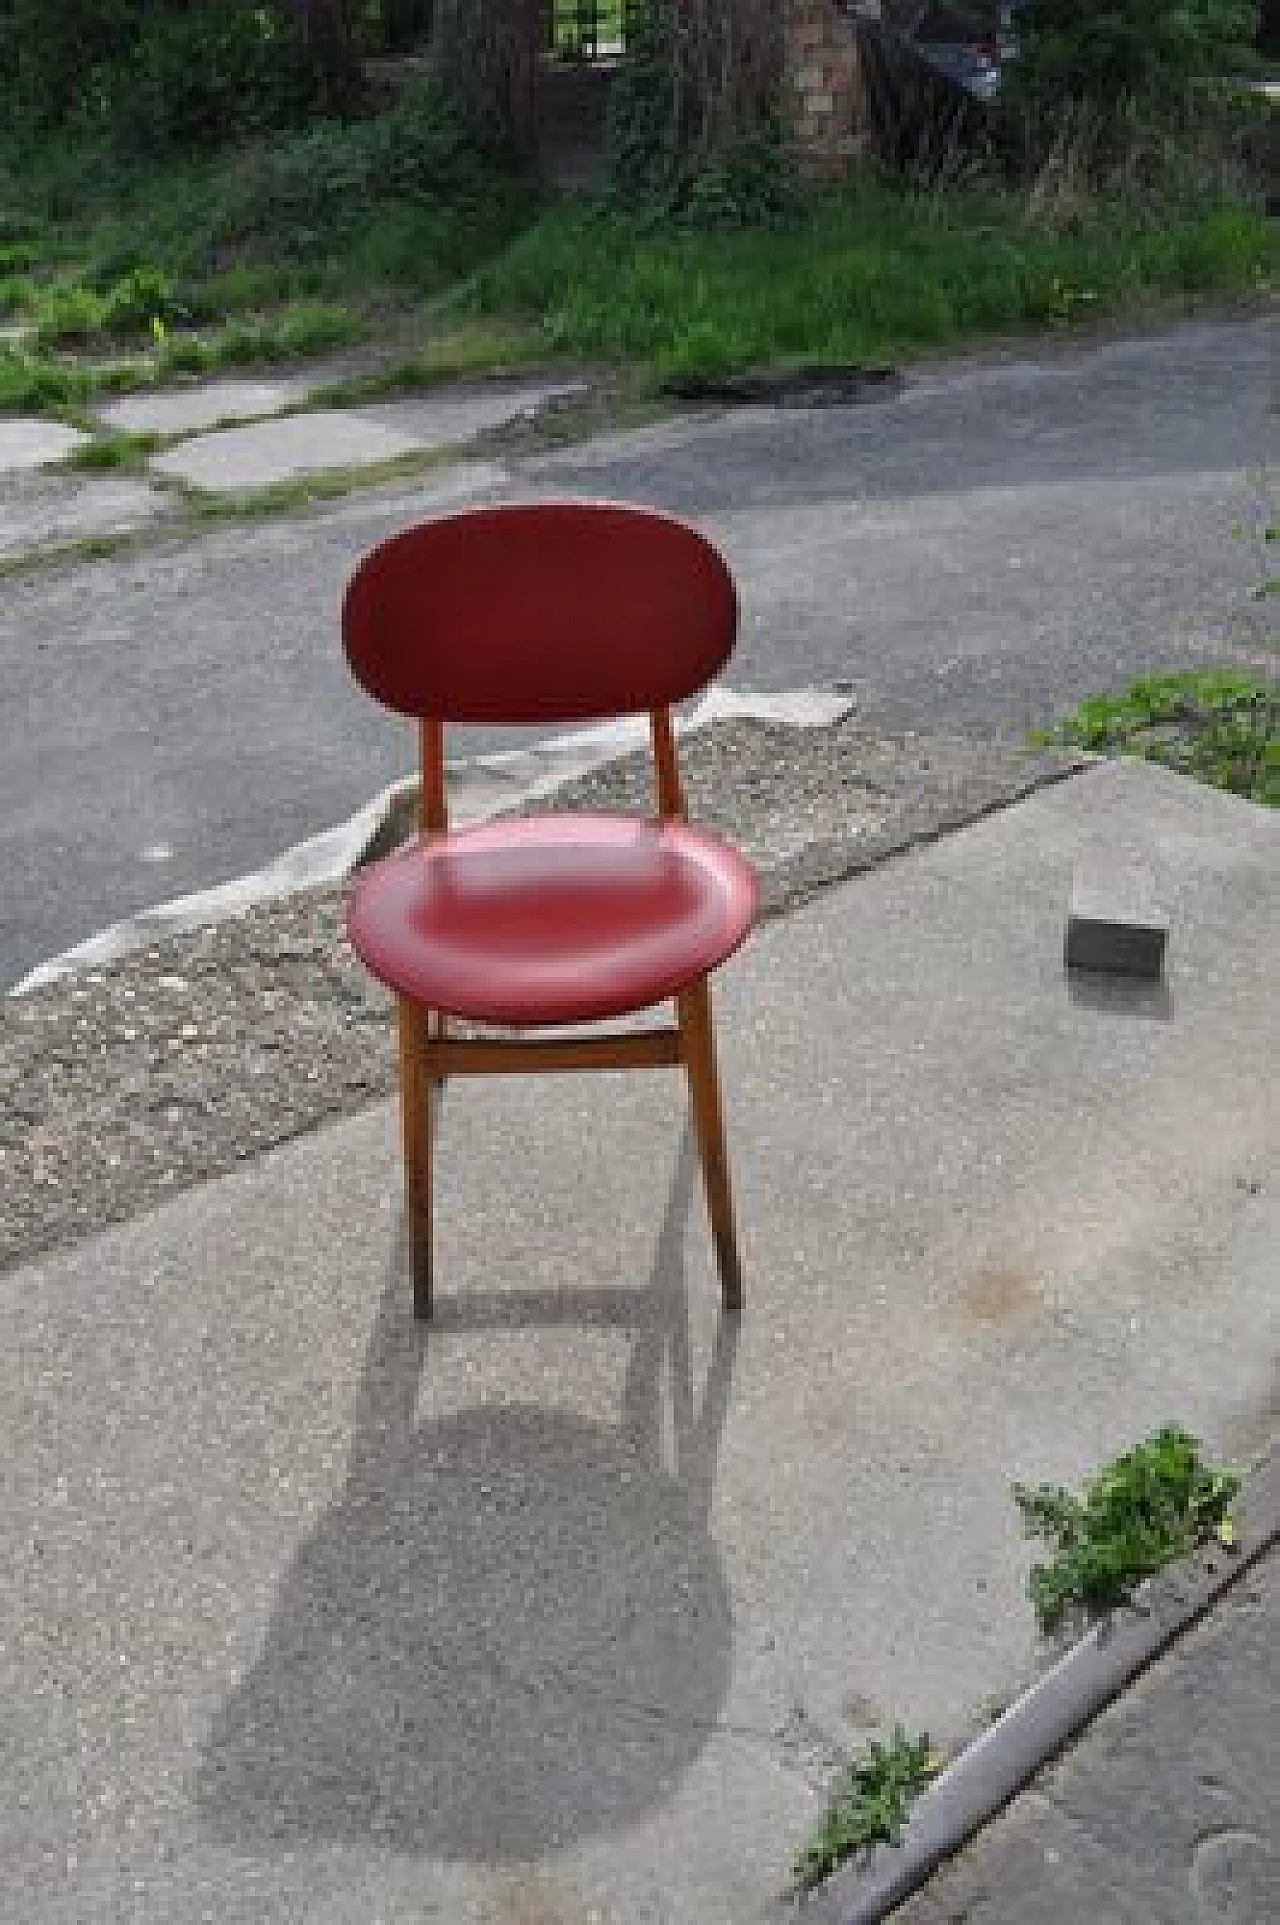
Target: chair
[(550, 613)]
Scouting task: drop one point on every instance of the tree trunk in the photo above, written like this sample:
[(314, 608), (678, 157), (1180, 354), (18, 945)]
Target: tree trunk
[(326, 33), (405, 23), (1269, 28), (489, 52), (729, 68)]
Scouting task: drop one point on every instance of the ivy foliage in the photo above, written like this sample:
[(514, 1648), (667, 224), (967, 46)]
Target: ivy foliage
[(1109, 51)]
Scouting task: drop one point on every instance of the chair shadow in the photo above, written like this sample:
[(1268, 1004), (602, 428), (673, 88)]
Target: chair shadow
[(512, 1628)]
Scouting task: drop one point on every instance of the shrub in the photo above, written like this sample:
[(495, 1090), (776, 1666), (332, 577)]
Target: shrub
[(1148, 1507), (641, 137), (331, 178), (47, 50), (1147, 50), (135, 303), (68, 314), (674, 144), (155, 76), (202, 78), (33, 382), (1130, 102)]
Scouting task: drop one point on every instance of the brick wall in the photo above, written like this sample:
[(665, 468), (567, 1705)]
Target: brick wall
[(825, 93)]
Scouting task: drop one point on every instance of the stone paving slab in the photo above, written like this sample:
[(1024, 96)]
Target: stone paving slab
[(190, 410), (567, 1611), (41, 510), (238, 460), (31, 443)]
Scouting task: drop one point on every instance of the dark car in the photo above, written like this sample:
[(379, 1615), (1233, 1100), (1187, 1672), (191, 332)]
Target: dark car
[(967, 42)]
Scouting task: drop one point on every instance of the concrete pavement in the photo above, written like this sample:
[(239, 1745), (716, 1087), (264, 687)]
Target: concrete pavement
[(568, 1611)]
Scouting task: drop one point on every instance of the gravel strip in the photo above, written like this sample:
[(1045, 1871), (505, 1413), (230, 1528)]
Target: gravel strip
[(124, 1084)]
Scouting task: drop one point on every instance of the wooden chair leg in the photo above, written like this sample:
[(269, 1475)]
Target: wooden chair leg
[(438, 1033), (415, 1124), (697, 1037)]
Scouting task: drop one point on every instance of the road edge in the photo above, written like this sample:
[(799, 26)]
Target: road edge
[(999, 1763)]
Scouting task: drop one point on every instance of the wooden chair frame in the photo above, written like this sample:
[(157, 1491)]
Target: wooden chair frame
[(428, 1054)]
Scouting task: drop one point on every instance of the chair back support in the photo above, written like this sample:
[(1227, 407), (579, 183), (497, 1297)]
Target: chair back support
[(533, 613)]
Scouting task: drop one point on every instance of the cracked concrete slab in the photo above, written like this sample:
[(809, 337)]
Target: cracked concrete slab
[(191, 410), (42, 510), (238, 460)]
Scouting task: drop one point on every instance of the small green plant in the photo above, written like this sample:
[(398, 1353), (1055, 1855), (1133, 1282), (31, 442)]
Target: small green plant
[(35, 382), (293, 334), (114, 451), (75, 313), (310, 328), (1154, 1504), (68, 314), (183, 354), (869, 1805), (140, 298), (1218, 725), (1065, 303), (16, 257)]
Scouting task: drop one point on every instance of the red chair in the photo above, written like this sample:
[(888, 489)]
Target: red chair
[(561, 612)]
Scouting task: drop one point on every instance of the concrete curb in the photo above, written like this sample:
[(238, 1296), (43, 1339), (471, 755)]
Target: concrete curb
[(480, 787), (997, 1765)]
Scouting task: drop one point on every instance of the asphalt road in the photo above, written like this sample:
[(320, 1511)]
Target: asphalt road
[(1002, 539)]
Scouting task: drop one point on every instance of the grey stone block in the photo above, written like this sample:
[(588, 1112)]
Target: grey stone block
[(1115, 927)]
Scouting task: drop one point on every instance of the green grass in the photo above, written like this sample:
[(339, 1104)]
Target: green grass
[(300, 491), (392, 228), (36, 380), (1152, 1505), (287, 248), (1218, 725), (254, 287), (87, 548), (873, 273), (458, 350), (18, 257), (869, 1805), (114, 451), (68, 315), (40, 383), (309, 329)]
